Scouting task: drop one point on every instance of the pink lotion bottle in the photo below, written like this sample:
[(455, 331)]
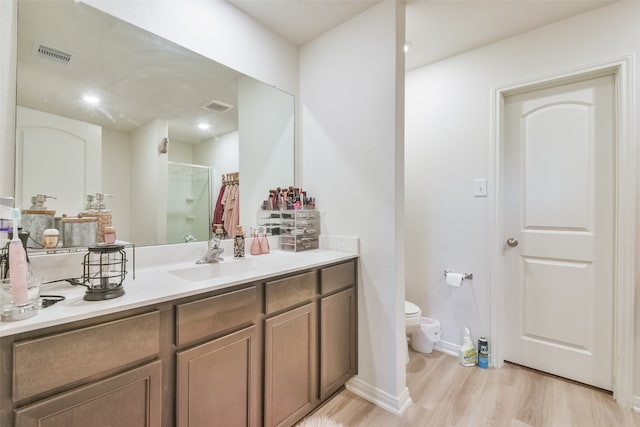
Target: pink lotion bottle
[(18, 265), (255, 243)]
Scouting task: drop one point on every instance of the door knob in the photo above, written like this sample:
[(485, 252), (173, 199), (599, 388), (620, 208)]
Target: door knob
[(512, 242)]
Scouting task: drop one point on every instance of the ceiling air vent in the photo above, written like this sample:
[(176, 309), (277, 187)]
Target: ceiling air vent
[(56, 55), (217, 106)]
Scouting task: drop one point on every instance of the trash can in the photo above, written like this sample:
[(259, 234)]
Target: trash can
[(425, 335)]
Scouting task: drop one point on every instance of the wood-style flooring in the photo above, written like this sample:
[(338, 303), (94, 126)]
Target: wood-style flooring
[(446, 394)]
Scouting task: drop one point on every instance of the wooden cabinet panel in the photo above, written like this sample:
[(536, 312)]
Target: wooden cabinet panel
[(203, 318), (291, 374), (291, 291), (337, 341), (218, 382), (130, 399), (82, 353), (337, 277)]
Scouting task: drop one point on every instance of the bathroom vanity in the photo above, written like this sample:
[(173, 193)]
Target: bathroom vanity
[(261, 341)]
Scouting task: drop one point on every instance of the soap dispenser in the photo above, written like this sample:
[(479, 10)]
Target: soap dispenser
[(96, 207), (38, 218)]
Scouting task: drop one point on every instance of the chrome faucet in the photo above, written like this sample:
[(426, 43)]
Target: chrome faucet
[(188, 238), (213, 252)]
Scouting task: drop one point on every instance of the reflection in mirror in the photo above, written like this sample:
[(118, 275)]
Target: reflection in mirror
[(106, 107)]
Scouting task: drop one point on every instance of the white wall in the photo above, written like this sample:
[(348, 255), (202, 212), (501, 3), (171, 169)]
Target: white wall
[(148, 184), (180, 152), (351, 93), (222, 155), (266, 125), (448, 144), (116, 176)]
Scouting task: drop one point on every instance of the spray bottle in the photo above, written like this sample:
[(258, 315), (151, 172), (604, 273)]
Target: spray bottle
[(467, 354)]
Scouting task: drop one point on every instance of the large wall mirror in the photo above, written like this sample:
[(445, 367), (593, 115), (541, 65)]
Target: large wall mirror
[(98, 99)]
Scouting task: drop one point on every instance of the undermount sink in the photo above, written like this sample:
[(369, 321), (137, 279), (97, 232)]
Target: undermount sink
[(201, 272), (228, 266)]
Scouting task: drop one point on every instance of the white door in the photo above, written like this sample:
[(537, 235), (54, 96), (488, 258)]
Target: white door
[(558, 222), (59, 157)]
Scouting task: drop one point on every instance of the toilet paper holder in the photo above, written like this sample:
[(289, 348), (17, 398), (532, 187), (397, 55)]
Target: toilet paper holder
[(468, 276)]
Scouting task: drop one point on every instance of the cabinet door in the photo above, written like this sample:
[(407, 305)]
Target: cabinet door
[(291, 374), (129, 399), (217, 382), (337, 341)]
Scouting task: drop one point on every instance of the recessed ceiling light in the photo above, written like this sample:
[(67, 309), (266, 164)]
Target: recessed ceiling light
[(91, 99), (204, 125)]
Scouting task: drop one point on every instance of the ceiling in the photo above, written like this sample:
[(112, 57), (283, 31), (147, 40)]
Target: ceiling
[(437, 29), (131, 64)]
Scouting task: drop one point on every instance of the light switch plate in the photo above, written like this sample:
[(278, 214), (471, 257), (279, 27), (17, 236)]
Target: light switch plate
[(480, 187)]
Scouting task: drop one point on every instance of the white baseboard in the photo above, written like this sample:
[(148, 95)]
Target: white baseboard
[(635, 403), (448, 348), (393, 404)]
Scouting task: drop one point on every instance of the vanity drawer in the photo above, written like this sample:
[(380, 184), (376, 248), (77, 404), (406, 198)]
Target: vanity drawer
[(291, 291), (51, 362), (206, 317), (337, 277)]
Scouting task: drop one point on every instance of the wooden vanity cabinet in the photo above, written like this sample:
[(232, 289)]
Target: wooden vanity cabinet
[(290, 350), (218, 379), (310, 341), (128, 399), (106, 374), (338, 341), (257, 354)]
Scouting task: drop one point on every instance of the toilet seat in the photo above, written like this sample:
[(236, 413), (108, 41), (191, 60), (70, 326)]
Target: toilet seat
[(411, 310)]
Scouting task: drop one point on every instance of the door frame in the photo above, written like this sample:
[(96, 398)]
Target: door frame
[(625, 214)]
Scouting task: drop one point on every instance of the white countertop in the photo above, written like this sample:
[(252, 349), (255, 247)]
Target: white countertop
[(167, 282)]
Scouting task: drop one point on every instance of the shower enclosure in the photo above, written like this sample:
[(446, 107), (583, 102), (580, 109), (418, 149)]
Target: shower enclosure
[(188, 203)]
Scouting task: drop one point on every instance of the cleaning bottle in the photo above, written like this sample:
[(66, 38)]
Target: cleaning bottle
[(467, 355)]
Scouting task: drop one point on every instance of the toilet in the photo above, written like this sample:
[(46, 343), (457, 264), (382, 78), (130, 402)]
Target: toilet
[(412, 317), (422, 332)]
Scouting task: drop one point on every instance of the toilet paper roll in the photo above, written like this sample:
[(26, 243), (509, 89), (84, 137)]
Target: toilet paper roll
[(454, 279)]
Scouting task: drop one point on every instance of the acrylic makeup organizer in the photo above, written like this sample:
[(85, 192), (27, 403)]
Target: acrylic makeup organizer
[(298, 229)]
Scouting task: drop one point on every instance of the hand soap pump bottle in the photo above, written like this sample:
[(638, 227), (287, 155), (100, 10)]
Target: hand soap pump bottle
[(467, 354)]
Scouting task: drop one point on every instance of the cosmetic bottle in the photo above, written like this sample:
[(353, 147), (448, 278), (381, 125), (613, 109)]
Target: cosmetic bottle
[(238, 243), (264, 241), (255, 242), (109, 235), (50, 238)]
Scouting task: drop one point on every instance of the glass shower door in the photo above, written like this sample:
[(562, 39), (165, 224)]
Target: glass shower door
[(188, 203)]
